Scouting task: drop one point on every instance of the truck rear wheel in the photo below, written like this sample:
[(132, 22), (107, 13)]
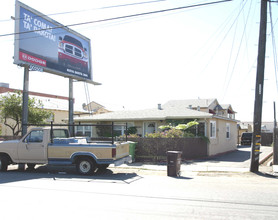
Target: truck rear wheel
[(3, 163), (85, 166)]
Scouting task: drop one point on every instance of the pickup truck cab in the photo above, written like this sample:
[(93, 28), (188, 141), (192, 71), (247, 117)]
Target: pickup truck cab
[(55, 147)]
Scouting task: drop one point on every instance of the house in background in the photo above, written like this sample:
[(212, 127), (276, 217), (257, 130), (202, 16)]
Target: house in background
[(216, 121), (58, 105), (94, 108)]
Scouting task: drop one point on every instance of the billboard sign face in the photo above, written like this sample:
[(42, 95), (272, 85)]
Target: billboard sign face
[(50, 46)]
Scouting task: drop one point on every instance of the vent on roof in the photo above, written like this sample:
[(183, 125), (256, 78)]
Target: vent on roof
[(159, 107), (190, 106)]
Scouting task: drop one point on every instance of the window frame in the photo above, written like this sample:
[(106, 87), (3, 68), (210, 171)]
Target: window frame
[(228, 130), (212, 129)]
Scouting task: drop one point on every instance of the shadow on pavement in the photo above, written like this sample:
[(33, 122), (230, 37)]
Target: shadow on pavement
[(267, 175), (67, 174), (236, 156)]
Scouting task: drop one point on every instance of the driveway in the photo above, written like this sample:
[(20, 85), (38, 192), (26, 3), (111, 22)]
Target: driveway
[(238, 161)]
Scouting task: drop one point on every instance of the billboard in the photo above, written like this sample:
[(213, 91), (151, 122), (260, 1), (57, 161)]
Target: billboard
[(49, 46)]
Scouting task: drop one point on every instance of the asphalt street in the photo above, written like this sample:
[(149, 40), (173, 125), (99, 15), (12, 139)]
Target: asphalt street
[(51, 193), (217, 188)]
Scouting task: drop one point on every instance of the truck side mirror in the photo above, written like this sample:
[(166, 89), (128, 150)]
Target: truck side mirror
[(60, 38)]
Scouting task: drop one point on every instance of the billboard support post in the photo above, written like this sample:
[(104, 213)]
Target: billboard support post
[(25, 98), (71, 106)]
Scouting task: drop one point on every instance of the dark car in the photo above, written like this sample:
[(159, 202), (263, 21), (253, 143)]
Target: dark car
[(246, 138)]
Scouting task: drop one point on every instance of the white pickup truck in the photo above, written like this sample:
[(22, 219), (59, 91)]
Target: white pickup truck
[(54, 147)]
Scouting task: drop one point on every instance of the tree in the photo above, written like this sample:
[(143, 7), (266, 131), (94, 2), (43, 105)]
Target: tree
[(11, 112)]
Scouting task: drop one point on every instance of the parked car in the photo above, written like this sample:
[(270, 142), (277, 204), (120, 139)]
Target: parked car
[(246, 138)]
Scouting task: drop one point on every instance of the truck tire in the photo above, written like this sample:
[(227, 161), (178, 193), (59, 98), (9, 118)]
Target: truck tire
[(85, 166), (3, 163)]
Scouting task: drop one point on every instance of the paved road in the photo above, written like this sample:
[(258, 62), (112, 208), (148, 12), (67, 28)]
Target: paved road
[(48, 193), (141, 191)]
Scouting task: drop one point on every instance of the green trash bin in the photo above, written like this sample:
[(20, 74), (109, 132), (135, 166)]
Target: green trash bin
[(132, 146)]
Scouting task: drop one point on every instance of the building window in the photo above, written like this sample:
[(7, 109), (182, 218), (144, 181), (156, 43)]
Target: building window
[(228, 133), (83, 131), (213, 129), (119, 128)]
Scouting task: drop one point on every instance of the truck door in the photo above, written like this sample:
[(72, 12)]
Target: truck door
[(31, 149)]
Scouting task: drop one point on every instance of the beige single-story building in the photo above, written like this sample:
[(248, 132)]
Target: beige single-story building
[(217, 122)]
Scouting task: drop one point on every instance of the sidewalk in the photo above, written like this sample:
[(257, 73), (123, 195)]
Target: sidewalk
[(236, 161)]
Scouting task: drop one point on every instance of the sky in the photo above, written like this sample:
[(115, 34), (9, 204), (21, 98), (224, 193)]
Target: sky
[(197, 52)]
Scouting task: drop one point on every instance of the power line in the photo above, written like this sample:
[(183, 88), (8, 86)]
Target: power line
[(92, 9), (222, 41), (118, 18), (237, 55), (273, 46)]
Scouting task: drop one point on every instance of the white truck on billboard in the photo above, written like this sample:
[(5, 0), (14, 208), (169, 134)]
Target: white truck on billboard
[(71, 53)]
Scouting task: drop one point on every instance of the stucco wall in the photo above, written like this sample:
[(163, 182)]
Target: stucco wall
[(221, 143)]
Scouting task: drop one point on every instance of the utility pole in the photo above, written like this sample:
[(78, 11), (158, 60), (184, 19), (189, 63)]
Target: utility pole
[(257, 121), (275, 140), (274, 110)]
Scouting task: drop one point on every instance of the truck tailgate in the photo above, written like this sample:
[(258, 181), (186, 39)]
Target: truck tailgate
[(122, 150)]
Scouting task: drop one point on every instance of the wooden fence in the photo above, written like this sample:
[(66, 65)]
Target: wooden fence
[(155, 149)]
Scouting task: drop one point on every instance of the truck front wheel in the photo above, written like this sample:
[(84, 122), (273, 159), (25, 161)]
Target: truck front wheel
[(3, 163), (85, 166)]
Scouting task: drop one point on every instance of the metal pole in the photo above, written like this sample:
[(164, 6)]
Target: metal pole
[(126, 131), (275, 147), (274, 110), (112, 132), (25, 98), (71, 106), (256, 140)]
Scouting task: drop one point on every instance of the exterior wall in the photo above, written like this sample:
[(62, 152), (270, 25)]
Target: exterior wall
[(217, 145), (221, 143), (59, 116)]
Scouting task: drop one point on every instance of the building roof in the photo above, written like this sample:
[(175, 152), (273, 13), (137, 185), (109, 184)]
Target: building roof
[(174, 109), (194, 103), (147, 114)]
